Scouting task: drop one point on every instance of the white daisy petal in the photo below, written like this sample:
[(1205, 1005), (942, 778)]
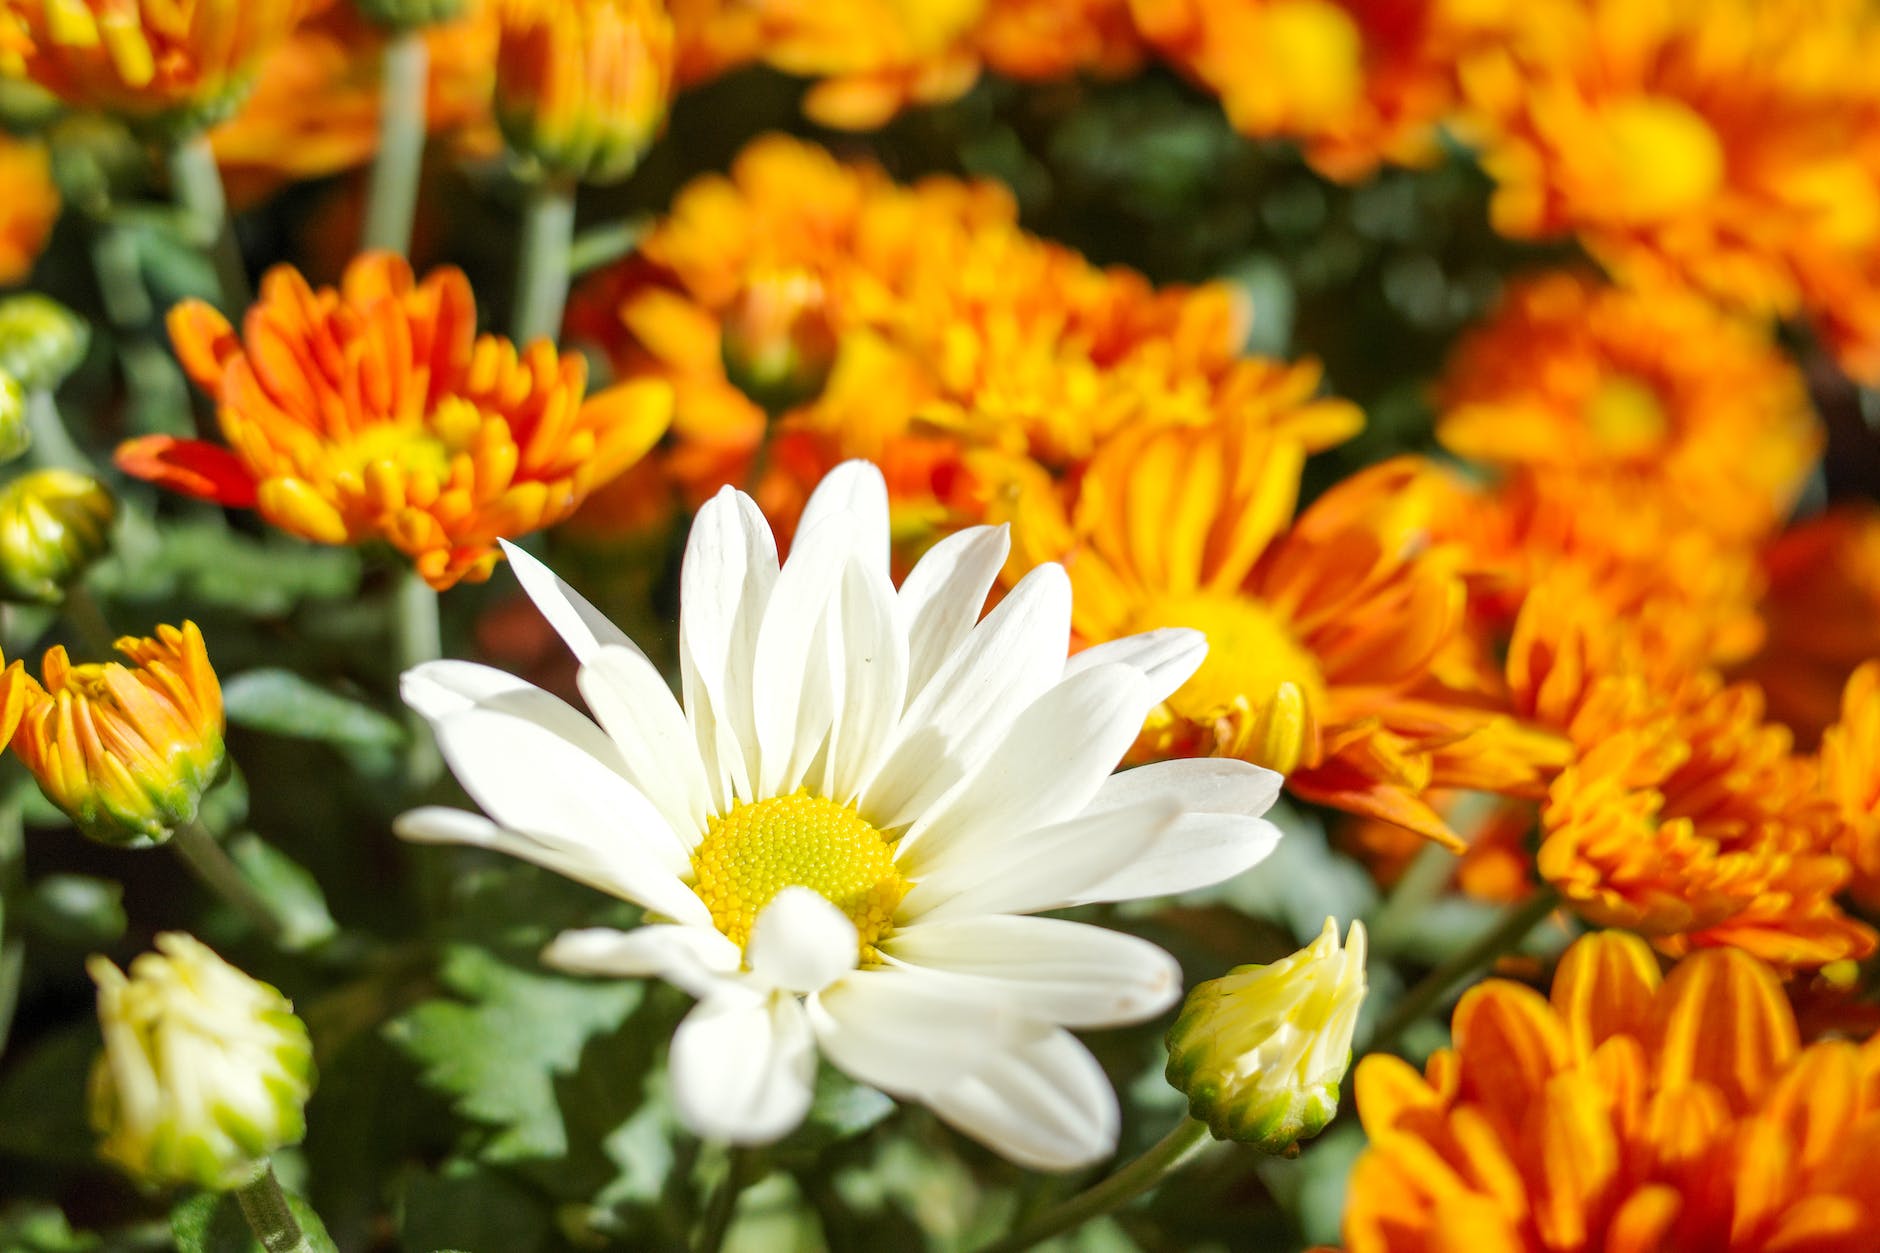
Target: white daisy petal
[(871, 671), (801, 942), (440, 689), (856, 496), (648, 728), (1046, 1104), (907, 1031), (1168, 658), (1062, 972), (792, 688), (724, 583), (743, 1068), (940, 600), (1011, 657), (1044, 769), (696, 959), (614, 869), (581, 626), (1219, 835)]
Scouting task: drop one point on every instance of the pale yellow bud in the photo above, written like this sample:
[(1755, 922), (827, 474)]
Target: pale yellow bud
[(15, 435), (205, 1072), (1261, 1051), (53, 525)]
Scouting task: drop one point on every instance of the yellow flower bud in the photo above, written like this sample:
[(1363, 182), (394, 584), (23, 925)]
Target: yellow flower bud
[(1261, 1051), (205, 1071), (582, 85), (16, 436), (126, 750), (778, 342), (41, 341), (53, 525)]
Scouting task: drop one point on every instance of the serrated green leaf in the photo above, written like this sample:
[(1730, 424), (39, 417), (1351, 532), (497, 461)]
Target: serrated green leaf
[(281, 702), (293, 893), (464, 1206), (211, 1222), (498, 1052), (204, 563)]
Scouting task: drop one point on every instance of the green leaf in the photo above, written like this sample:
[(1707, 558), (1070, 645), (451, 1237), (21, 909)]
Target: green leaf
[(210, 1222), (498, 1052), (207, 564), (32, 1227), (472, 1208), (294, 893), (841, 1110), (42, 1102), (280, 702), (76, 910)]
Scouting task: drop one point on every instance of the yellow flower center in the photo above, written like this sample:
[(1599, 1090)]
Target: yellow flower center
[(1665, 157), (800, 840), (1626, 417), (411, 448), (1258, 685), (88, 681)]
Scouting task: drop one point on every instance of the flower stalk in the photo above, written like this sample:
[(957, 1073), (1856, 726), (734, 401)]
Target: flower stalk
[(211, 864), (419, 639), (392, 202), (269, 1216), (547, 250), (1168, 1155), (197, 184)]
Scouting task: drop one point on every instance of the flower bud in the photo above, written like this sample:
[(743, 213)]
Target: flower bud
[(1261, 1051), (205, 1071), (16, 436), (778, 341), (41, 341), (582, 85), (410, 14), (53, 525), (126, 750)]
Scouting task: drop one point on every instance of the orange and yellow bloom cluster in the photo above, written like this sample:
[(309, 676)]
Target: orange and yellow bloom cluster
[(145, 59), (1626, 1112), (376, 411)]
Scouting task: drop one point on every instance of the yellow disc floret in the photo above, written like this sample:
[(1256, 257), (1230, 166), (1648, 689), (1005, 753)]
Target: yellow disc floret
[(755, 851)]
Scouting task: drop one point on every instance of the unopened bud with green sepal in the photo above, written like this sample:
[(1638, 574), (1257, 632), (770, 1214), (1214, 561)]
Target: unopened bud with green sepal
[(1261, 1051), (53, 525), (205, 1072), (16, 433), (41, 341)]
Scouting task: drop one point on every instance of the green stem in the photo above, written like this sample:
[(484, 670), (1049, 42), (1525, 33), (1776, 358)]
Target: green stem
[(196, 183), (12, 889), (159, 399), (120, 274), (209, 862), (52, 443), (420, 639), (392, 203), (605, 244), (1503, 936), (84, 616), (740, 1175), (265, 1207), (1169, 1154), (547, 241)]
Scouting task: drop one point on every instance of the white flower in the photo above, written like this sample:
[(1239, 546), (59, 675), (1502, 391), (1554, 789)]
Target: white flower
[(838, 834)]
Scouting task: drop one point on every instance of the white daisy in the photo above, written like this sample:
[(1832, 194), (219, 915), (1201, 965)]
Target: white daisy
[(840, 831)]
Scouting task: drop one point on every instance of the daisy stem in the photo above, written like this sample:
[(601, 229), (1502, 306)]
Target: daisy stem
[(392, 203), (420, 639), (269, 1216), (547, 244), (1503, 936), (210, 863), (196, 182), (1168, 1155), (739, 1174), (84, 616)]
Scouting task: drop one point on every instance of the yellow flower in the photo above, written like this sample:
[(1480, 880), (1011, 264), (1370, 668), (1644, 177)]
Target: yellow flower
[(192, 59), (582, 85), (53, 525), (126, 750), (1260, 1052), (205, 1071), (31, 205)]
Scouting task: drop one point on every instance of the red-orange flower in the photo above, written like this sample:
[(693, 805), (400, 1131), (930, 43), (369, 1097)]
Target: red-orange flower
[(1625, 1113), (375, 411)]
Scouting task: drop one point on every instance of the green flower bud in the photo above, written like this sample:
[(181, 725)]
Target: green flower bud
[(16, 434), (1261, 1051), (205, 1071), (406, 14), (778, 344), (41, 341), (53, 525)]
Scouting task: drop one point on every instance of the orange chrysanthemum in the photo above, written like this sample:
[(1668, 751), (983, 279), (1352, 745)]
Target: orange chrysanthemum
[(315, 107), (1731, 146), (375, 411), (1357, 82), (1850, 774), (582, 85), (1662, 392), (1625, 1113), (126, 750), (146, 58), (30, 209), (1686, 815), (1325, 633)]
